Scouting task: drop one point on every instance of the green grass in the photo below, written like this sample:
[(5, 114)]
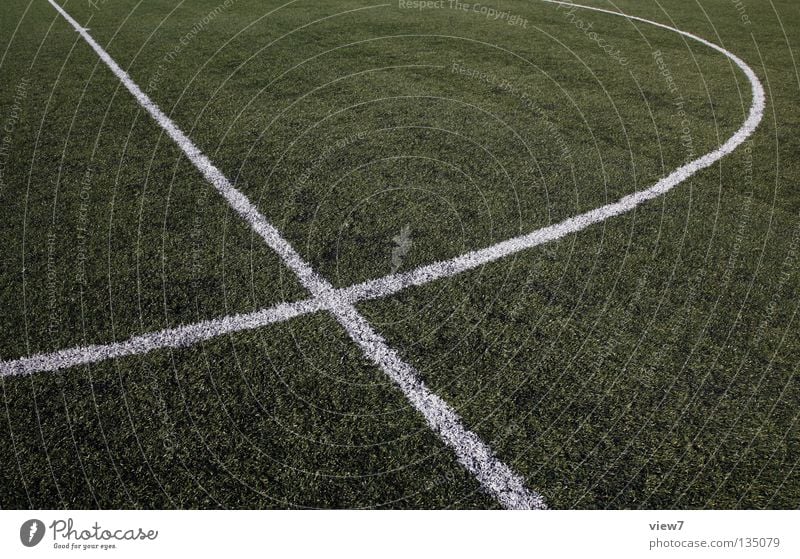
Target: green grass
[(647, 362)]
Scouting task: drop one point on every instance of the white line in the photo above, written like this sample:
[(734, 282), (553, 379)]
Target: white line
[(387, 285), (182, 336), (475, 455), (235, 199), (495, 477)]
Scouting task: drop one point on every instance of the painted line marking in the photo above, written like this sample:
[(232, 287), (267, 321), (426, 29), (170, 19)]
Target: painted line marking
[(475, 455), (472, 453), (181, 336)]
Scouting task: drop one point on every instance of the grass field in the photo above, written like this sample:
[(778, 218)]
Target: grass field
[(647, 361)]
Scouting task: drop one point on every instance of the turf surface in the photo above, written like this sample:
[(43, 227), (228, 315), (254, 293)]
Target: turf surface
[(649, 361)]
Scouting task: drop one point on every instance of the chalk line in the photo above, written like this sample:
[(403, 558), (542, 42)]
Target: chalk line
[(493, 475), (472, 453)]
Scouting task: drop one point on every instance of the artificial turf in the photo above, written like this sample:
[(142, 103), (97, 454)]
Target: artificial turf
[(649, 361)]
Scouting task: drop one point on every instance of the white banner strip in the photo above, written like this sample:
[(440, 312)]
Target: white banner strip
[(377, 534)]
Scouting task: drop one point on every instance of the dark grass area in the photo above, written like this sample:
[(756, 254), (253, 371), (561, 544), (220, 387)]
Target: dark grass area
[(650, 361), (288, 417)]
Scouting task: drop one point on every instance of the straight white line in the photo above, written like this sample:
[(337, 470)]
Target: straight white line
[(181, 336), (212, 174), (475, 455), (494, 476)]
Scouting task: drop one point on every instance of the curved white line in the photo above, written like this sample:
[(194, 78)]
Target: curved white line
[(372, 289), (494, 476), (393, 283), (474, 454)]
